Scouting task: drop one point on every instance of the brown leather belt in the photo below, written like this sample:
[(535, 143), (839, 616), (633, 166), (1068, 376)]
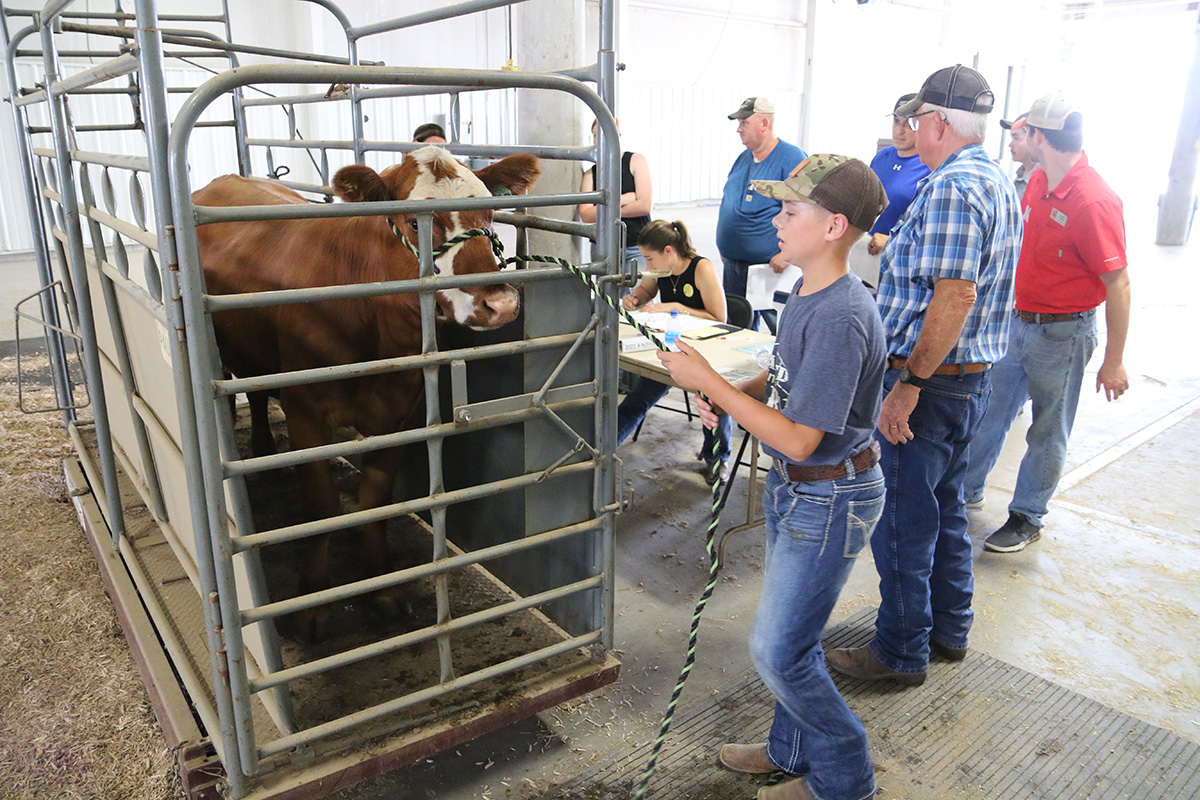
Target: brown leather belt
[(1041, 319), (898, 362), (862, 460)]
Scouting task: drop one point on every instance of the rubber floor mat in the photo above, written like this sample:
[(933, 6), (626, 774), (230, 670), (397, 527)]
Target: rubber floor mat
[(979, 729)]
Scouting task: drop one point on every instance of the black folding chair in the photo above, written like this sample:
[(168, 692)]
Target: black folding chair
[(738, 312)]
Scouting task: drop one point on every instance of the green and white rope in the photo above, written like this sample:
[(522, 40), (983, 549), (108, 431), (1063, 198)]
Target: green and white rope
[(714, 565)]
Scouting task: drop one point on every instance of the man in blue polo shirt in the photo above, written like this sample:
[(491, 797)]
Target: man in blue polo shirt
[(745, 234), (945, 296)]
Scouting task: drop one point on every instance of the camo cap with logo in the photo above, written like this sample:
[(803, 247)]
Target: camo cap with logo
[(839, 184)]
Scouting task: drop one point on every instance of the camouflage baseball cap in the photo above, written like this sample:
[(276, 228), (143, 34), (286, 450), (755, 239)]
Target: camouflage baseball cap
[(840, 184)]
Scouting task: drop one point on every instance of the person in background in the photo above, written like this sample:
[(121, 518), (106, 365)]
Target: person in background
[(745, 235), (945, 296), (900, 170), (429, 133), (1072, 260), (692, 288), (1018, 148), (637, 197), (814, 411)]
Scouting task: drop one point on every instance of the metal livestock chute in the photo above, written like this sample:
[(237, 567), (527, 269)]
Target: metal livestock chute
[(510, 590)]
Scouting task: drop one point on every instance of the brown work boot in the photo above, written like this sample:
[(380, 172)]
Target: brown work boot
[(792, 790), (748, 758), (947, 652), (862, 663)]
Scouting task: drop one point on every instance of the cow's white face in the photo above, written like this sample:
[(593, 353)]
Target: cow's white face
[(432, 173), (439, 176)]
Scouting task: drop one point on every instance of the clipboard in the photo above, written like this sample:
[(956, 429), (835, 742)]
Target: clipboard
[(710, 331)]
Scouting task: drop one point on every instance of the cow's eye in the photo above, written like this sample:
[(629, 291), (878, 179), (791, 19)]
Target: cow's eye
[(413, 226)]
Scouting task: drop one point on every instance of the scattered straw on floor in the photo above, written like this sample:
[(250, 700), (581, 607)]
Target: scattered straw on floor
[(75, 720)]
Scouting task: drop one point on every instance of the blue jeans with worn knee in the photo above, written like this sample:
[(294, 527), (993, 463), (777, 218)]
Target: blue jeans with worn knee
[(814, 533), (921, 547), (1044, 362), (643, 397)]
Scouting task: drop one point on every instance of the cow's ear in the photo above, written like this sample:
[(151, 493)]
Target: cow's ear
[(512, 175), (359, 184)]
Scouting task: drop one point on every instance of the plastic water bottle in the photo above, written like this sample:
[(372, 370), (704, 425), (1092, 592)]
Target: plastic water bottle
[(671, 331), (763, 356)]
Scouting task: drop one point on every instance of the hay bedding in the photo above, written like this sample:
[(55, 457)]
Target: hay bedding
[(75, 721)]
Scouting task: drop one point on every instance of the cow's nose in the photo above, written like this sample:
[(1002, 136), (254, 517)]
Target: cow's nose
[(504, 304)]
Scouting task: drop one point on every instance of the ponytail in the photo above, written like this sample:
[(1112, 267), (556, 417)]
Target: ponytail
[(659, 234)]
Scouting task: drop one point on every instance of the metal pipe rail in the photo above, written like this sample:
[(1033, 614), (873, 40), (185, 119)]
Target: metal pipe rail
[(325, 730), (206, 215), (304, 530), (391, 645), (196, 41), (280, 297), (441, 430), (232, 386), (580, 153), (100, 73), (434, 15), (192, 54), (433, 569), (114, 15)]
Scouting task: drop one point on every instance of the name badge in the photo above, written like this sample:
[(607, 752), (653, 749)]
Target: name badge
[(1058, 217)]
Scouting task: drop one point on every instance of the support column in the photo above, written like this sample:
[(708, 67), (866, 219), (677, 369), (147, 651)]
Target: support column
[(550, 36), (1178, 203)]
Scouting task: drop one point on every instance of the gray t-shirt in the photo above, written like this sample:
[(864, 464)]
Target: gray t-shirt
[(827, 367)]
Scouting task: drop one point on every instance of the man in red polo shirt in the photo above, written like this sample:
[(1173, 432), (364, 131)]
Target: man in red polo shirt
[(1072, 260)]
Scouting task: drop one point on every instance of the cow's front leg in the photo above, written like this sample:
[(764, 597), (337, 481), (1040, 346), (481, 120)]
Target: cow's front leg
[(320, 500), (378, 478), (262, 441)]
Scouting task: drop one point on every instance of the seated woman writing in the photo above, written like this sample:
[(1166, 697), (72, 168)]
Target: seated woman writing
[(692, 288)]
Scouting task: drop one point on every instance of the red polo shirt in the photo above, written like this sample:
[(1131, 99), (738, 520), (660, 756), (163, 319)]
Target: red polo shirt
[(1073, 235)]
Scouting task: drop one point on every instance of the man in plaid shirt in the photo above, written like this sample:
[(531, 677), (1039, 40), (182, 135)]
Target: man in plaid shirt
[(945, 295)]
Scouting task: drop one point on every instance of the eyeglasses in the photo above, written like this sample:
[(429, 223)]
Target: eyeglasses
[(914, 122)]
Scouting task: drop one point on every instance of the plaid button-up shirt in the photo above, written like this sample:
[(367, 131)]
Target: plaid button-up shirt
[(964, 223)]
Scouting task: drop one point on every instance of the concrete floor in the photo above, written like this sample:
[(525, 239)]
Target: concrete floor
[(1106, 603)]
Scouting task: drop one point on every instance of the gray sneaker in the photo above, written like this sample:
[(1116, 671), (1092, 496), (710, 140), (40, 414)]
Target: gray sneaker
[(1014, 535)]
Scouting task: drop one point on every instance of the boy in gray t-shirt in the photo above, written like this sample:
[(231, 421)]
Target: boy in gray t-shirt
[(814, 410)]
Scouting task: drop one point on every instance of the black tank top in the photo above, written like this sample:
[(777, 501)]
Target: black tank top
[(682, 288), (633, 225)]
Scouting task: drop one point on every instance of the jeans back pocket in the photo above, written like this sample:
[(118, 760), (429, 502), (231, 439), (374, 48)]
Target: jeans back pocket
[(861, 520)]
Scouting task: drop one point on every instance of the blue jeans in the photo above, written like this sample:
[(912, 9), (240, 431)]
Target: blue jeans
[(922, 551), (1044, 362), (734, 282), (814, 533), (643, 396)]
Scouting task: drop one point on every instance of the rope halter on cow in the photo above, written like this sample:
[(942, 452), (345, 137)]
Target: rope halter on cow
[(497, 246)]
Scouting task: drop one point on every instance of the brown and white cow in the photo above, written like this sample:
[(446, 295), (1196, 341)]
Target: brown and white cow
[(265, 255)]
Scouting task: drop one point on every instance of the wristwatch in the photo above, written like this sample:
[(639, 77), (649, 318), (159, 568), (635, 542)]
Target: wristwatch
[(909, 377)]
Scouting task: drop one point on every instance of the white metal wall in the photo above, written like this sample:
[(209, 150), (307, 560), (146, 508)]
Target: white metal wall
[(687, 138), (486, 117)]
